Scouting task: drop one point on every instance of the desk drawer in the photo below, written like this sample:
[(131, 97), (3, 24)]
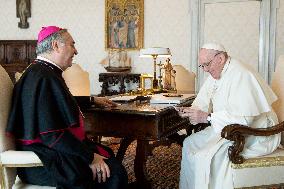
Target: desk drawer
[(122, 125)]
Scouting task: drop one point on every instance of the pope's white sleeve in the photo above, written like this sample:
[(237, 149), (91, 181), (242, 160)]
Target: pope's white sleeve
[(222, 118)]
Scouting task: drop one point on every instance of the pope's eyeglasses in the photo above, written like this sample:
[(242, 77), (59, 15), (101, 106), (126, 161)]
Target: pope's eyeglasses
[(207, 64)]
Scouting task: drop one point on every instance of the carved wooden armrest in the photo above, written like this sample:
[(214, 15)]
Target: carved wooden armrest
[(237, 133)]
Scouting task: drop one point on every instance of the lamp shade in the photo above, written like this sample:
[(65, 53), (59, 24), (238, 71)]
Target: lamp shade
[(155, 51)]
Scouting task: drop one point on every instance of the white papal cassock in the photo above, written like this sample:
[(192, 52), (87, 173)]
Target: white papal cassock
[(240, 96)]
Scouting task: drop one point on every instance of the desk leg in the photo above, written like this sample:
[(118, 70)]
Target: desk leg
[(125, 142), (140, 164)]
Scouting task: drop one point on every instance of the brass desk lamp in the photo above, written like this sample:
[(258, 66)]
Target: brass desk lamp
[(155, 52)]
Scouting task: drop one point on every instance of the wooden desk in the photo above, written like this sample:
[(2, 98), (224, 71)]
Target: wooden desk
[(136, 121)]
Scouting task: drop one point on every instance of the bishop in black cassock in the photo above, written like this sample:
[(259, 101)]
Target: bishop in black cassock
[(46, 119)]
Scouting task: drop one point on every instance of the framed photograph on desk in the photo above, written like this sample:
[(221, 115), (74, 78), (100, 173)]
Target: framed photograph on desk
[(124, 24), (146, 82)]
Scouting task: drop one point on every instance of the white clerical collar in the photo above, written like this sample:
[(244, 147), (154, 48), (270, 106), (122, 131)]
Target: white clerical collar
[(47, 60)]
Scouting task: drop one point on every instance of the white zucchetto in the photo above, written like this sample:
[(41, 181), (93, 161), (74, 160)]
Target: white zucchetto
[(214, 46)]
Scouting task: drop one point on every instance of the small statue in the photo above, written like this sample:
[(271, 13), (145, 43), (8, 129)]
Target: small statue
[(23, 13), (169, 76)]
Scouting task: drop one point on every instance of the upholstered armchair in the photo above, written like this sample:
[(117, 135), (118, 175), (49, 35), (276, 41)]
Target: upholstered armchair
[(185, 80), (9, 158), (266, 171), (77, 80)]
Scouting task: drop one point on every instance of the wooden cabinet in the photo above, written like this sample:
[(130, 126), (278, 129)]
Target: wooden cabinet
[(120, 79), (16, 55)]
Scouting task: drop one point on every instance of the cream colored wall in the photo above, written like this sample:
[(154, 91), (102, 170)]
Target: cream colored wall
[(166, 24), (243, 31), (280, 31), (239, 36)]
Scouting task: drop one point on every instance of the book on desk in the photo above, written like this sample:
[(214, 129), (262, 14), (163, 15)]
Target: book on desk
[(170, 98)]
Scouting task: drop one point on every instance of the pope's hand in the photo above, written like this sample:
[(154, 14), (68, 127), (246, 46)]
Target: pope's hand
[(195, 116), (182, 111)]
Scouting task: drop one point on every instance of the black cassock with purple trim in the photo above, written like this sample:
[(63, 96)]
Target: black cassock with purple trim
[(46, 119)]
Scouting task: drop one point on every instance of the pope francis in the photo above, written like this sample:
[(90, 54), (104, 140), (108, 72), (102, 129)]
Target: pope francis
[(232, 93)]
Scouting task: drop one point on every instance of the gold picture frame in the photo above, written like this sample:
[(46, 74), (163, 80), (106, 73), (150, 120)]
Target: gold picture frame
[(124, 24), (146, 83)]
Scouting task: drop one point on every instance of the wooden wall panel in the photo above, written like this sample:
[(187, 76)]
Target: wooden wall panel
[(2, 54), (16, 55)]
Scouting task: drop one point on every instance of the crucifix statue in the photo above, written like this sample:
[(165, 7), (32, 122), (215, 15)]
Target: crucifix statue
[(23, 12)]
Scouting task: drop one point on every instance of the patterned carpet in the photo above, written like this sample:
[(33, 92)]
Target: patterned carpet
[(162, 168)]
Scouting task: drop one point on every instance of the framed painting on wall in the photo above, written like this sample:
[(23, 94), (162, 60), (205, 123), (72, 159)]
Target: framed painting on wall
[(124, 24)]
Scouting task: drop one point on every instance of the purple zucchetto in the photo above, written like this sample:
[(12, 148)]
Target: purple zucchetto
[(47, 31)]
